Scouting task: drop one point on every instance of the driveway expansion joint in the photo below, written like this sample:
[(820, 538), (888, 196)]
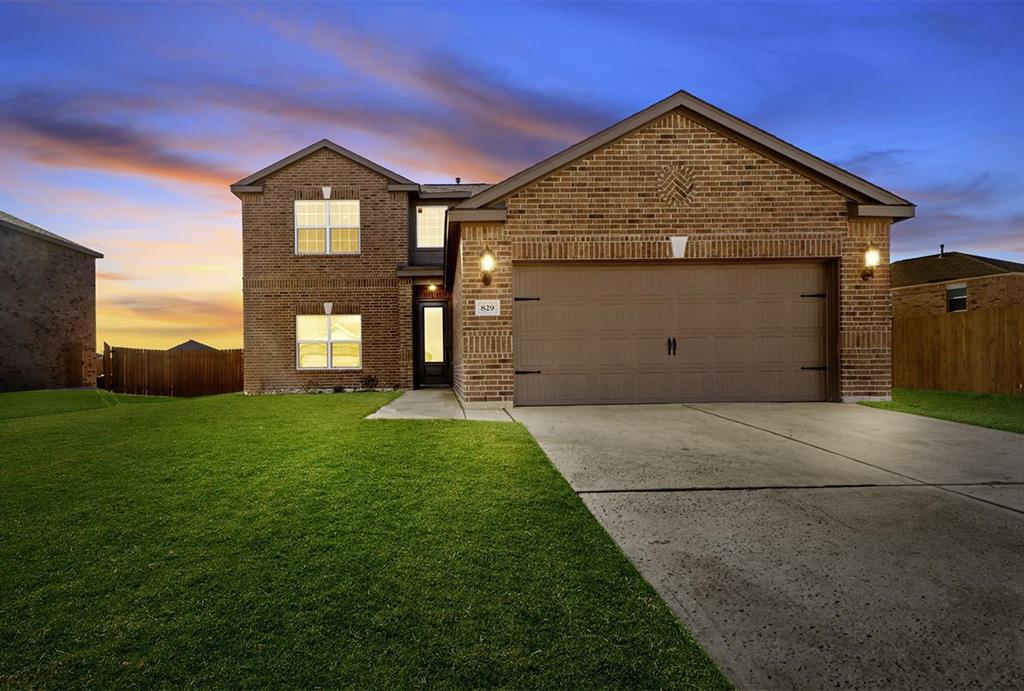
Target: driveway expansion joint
[(945, 487), (756, 488)]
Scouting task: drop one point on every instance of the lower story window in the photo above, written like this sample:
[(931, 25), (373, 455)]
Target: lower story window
[(332, 341)]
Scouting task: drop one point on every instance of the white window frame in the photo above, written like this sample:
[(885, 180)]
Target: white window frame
[(416, 228), (327, 229), (329, 342), (954, 286)]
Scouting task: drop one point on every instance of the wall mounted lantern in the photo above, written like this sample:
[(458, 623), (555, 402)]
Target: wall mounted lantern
[(487, 263), (872, 258)]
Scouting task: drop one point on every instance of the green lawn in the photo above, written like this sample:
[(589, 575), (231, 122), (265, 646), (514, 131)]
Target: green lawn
[(236, 541), (998, 411), (31, 403)]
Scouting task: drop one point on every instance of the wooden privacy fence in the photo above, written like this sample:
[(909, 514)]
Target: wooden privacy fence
[(977, 350), (163, 373)]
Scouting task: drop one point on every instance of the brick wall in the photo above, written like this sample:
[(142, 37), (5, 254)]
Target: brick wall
[(865, 324), (48, 312), (278, 284), (986, 291), (673, 177), (483, 371)]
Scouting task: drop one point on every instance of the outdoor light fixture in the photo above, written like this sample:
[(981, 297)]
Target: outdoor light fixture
[(872, 258), (431, 287), (487, 265), (328, 306)]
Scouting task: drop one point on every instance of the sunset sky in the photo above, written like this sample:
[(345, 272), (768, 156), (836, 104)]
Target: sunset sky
[(121, 126)]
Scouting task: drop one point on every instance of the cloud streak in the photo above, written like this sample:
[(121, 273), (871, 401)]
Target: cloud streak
[(51, 130)]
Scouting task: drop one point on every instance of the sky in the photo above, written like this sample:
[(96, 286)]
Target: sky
[(122, 125)]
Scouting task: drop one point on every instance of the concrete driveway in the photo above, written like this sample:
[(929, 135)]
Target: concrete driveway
[(812, 545)]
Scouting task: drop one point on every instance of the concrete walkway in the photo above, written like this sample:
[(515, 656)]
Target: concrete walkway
[(814, 545), (433, 404)]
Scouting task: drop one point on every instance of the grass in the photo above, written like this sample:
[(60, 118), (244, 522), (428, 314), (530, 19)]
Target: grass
[(32, 403), (998, 411), (236, 541)]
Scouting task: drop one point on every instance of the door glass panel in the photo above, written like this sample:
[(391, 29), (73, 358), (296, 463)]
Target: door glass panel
[(433, 334)]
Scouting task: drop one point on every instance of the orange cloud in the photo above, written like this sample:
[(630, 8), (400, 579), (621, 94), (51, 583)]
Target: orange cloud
[(45, 129), (160, 320)]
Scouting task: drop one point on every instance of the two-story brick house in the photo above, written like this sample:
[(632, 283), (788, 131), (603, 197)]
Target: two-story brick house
[(681, 254)]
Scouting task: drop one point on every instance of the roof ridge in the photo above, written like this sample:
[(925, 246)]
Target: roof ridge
[(739, 127), (20, 224), (312, 148)]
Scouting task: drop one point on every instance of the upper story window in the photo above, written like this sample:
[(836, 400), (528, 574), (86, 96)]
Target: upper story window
[(430, 227), (327, 226), (956, 297)]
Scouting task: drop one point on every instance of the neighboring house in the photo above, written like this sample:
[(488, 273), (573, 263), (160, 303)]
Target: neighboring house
[(47, 309), (954, 282), (190, 345), (679, 255)]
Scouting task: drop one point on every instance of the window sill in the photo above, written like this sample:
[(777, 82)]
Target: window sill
[(328, 369), (327, 254)]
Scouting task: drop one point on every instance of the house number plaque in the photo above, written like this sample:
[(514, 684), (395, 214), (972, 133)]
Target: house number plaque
[(488, 308)]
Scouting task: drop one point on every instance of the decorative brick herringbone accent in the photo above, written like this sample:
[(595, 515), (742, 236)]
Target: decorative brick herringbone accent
[(676, 184)]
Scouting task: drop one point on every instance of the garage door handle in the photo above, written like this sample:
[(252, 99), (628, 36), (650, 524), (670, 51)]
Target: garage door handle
[(673, 346), (819, 367)]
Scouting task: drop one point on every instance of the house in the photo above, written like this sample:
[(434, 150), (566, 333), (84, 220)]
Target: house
[(682, 254), (190, 345), (954, 282), (47, 308)]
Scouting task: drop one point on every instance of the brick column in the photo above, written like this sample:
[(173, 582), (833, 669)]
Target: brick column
[(865, 319), (485, 374)]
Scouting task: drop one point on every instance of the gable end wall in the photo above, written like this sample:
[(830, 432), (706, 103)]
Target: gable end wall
[(277, 284), (623, 202)]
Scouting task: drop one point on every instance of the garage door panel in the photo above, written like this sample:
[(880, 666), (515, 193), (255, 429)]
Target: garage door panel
[(598, 334)]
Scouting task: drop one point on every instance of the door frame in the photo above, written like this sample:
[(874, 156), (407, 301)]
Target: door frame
[(419, 375)]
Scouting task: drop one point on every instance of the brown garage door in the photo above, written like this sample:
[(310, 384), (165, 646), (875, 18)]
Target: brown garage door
[(590, 333)]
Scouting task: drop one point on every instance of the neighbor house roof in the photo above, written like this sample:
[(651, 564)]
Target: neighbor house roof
[(18, 225), (250, 184), (870, 197), (460, 191), (948, 266), (191, 344)]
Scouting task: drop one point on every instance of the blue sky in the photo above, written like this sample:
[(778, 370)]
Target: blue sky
[(121, 125)]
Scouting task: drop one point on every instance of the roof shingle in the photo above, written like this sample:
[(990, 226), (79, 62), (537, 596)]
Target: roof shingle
[(948, 266)]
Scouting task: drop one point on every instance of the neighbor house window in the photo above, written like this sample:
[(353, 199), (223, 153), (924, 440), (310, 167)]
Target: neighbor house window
[(956, 297), (332, 341), (430, 226), (327, 226)]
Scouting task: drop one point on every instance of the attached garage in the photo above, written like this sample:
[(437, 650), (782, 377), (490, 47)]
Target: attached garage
[(679, 255), (656, 333)]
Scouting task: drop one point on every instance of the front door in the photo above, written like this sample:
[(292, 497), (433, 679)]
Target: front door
[(433, 344)]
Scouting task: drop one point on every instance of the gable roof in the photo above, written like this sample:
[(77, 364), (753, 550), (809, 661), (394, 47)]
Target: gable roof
[(250, 183), (857, 188), (190, 344), (948, 266), (18, 225)]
